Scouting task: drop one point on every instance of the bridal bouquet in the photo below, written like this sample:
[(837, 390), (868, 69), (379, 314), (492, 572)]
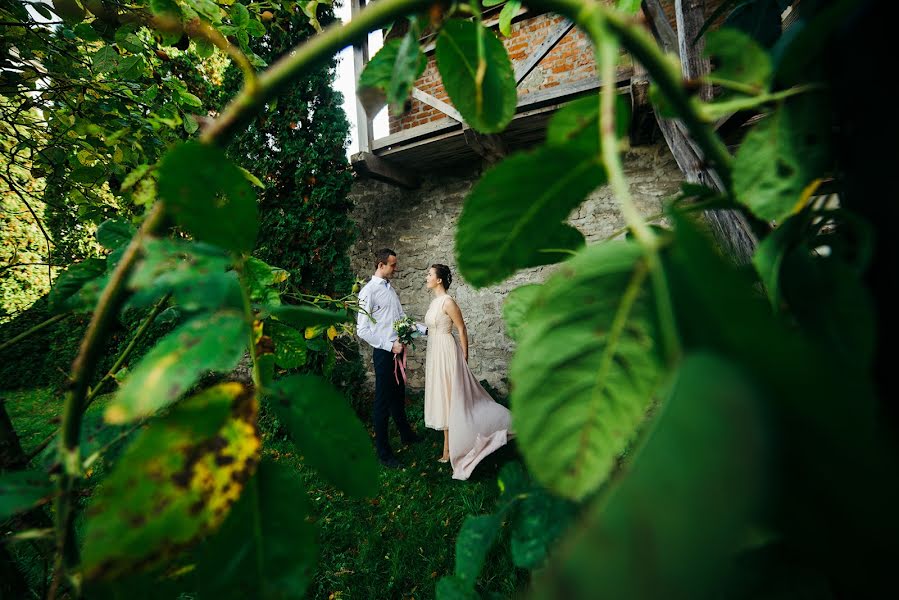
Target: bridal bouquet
[(406, 330)]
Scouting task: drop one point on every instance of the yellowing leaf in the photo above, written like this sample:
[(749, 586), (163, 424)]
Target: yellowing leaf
[(332, 332)]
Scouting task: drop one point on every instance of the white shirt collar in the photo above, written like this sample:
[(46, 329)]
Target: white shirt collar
[(379, 280)]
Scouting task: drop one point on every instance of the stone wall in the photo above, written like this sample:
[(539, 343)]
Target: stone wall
[(419, 225)]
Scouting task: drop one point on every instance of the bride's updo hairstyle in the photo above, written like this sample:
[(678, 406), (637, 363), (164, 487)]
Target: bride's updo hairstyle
[(443, 273)]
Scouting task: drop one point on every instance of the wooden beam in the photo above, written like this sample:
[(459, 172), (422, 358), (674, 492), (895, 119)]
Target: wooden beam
[(436, 103), (367, 164), (690, 15), (360, 59), (659, 24), (552, 38)]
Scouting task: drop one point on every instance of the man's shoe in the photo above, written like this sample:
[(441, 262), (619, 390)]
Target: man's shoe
[(391, 462), (414, 439)]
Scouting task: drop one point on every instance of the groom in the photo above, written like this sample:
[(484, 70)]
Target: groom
[(381, 302)]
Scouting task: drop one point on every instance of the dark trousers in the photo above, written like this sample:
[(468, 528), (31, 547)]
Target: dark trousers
[(390, 399)]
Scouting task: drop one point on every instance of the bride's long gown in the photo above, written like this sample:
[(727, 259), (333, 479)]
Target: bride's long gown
[(455, 400)]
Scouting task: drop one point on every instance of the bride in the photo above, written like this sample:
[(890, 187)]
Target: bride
[(473, 424)]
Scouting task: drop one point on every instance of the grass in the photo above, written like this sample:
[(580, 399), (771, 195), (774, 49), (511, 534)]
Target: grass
[(395, 545)]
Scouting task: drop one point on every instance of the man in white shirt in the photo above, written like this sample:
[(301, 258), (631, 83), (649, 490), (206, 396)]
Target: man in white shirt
[(381, 303)]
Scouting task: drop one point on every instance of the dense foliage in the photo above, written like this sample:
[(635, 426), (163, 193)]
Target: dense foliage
[(712, 430)]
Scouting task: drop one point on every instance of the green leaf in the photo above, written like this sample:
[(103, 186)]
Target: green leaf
[(105, 59), (539, 521), (255, 28), (688, 499), (509, 12), (131, 67), (629, 6), (489, 3), (739, 59), (307, 316), (82, 30), (514, 217), (71, 281), (240, 16), (768, 257), (21, 491), (207, 8), (267, 547), (262, 281), (488, 101), (252, 178), (780, 157), (189, 99), (167, 8), (209, 196), (576, 125), (587, 368), (453, 588), (244, 40), (327, 432), (204, 48), (290, 345), (515, 308), (134, 176), (176, 482), (394, 70), (190, 124), (43, 11), (210, 343), (474, 542), (194, 273), (115, 233)]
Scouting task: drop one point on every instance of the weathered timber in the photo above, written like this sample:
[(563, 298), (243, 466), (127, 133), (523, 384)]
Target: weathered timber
[(440, 105), (366, 163), (552, 38)]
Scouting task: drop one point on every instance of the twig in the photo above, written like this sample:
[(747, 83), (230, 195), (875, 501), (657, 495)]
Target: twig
[(33, 330)]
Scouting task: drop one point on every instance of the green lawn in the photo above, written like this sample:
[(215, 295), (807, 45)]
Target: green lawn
[(395, 545)]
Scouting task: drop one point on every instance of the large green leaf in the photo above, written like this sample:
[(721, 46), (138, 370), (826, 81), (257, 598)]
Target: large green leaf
[(739, 59), (513, 218), (262, 280), (209, 196), (515, 308), (327, 432), (586, 369), (673, 522), (769, 255), (780, 157), (209, 343), (290, 344), (539, 521), (474, 542), (22, 490), (267, 547), (64, 295), (176, 482), (195, 273), (307, 316), (393, 70), (477, 75), (115, 233)]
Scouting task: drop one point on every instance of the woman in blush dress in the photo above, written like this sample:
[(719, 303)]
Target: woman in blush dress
[(473, 424)]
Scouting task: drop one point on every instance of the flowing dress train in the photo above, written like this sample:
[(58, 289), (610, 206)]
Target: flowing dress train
[(455, 400)]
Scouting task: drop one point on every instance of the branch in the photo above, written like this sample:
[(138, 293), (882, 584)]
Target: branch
[(32, 331)]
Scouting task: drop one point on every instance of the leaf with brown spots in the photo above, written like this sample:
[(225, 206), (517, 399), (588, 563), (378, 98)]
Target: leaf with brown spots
[(210, 343), (177, 481), (267, 547)]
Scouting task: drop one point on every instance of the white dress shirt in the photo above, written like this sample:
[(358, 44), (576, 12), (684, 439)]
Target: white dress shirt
[(379, 299)]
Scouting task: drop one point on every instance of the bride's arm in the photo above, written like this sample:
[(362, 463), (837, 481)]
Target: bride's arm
[(452, 309)]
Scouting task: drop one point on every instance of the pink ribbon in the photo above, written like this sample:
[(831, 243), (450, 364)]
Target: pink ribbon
[(401, 364)]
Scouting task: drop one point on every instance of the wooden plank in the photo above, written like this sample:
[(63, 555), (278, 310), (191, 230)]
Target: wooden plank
[(360, 59), (415, 133), (367, 164), (661, 28), (436, 103), (552, 38), (690, 15), (429, 43)]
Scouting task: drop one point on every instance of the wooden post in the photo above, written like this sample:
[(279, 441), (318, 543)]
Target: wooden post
[(730, 228), (360, 59), (690, 15)]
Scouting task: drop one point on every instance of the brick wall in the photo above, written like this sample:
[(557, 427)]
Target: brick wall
[(570, 60)]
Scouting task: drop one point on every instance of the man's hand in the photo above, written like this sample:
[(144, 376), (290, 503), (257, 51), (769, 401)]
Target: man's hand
[(397, 347)]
